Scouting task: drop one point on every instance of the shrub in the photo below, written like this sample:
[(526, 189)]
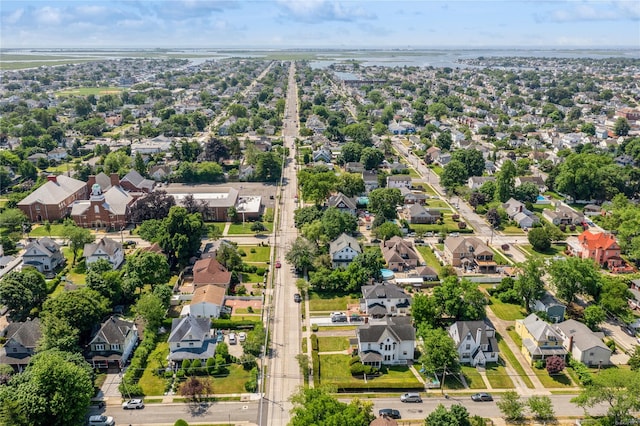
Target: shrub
[(356, 369), (186, 364), (180, 422), (354, 359), (168, 374), (196, 367), (462, 225), (539, 364), (563, 227), (572, 227), (253, 250), (611, 345), (314, 327), (242, 253), (555, 364), (260, 271), (315, 362), (180, 373), (314, 343), (584, 375)]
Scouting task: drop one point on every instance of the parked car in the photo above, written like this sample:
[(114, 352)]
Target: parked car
[(278, 264), (389, 412), (411, 397), (297, 298), (242, 336), (101, 421), (482, 396), (232, 339), (338, 317), (133, 403)]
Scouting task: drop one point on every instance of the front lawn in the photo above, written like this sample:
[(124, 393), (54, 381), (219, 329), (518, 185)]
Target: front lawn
[(554, 250), (506, 353), (559, 380), (498, 377), (506, 311), (474, 379), (256, 254), (329, 302), (332, 344), (334, 370), (40, 231), (151, 383), (252, 278), (245, 228), (231, 383), (513, 230), (499, 258)]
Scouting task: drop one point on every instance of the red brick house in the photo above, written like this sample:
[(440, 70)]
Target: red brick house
[(108, 210), (53, 200), (601, 247)]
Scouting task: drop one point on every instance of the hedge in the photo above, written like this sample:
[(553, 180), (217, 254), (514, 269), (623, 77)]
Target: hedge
[(584, 375), (315, 362), (232, 324), (314, 343)]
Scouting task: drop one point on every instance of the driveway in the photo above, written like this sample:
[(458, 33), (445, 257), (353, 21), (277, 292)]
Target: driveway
[(109, 390)]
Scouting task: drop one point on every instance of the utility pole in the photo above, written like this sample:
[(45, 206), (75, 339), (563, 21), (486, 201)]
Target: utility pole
[(444, 376)]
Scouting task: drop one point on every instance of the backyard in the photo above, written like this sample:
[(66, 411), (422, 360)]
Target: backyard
[(506, 311), (429, 257), (329, 302)]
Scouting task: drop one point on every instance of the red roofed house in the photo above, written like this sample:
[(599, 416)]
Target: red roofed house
[(601, 247), (210, 271)]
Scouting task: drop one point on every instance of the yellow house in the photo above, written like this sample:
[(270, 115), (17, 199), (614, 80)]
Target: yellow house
[(539, 339)]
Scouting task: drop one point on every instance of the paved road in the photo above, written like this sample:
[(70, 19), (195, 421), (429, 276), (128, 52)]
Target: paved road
[(284, 375)]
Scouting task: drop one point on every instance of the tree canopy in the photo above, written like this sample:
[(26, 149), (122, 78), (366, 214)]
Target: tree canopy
[(22, 292), (317, 407)]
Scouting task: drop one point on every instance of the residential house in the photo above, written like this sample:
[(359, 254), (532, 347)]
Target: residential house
[(563, 215), (210, 271), (354, 167), (391, 342), (51, 201), (433, 154), (517, 212), (159, 172), (245, 172), (584, 345), (135, 182), (399, 254), (469, 253), (399, 181), (592, 210), (322, 154), (107, 249), (444, 158), (343, 250), (416, 213), (57, 154), (207, 302), (342, 203), (109, 210), (370, 178), (553, 309), (21, 340), (427, 273), (475, 341), (413, 197), (43, 254), (112, 344), (602, 247), (475, 182), (383, 299), (191, 338), (539, 339), (536, 180)]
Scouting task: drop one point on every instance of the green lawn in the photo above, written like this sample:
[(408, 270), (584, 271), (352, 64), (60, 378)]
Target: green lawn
[(436, 169), (261, 254), (498, 377), (151, 383), (232, 383), (437, 204), (332, 343), (245, 228), (252, 278), (336, 328), (554, 250), (560, 380), (506, 311), (499, 258), (329, 302), (452, 382), (474, 380), (334, 370), (245, 311), (506, 353), (512, 230), (39, 231), (429, 257)]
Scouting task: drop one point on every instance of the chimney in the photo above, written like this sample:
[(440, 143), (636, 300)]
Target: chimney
[(520, 208), (570, 345), (478, 336), (115, 179), (91, 181), (52, 178)]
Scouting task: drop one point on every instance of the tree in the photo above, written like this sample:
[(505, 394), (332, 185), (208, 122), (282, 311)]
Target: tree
[(336, 222), (424, 310), (460, 300), (13, 220), (444, 140), (573, 276), (593, 315), (350, 153), (182, 237), (151, 230), (440, 354), (505, 181), (493, 217), (195, 389), (457, 415), (371, 158), (527, 192), (77, 237), (383, 202), (151, 309), (117, 162), (621, 127), (55, 389), (554, 364), (387, 231), (529, 285), (539, 239), (258, 227), (254, 341), (154, 205), (511, 406), (350, 184), (614, 296), (615, 387), (316, 184), (454, 174), (301, 254), (634, 359), (317, 406), (472, 159), (268, 167), (437, 110), (80, 309), (149, 267), (22, 292), (541, 407)]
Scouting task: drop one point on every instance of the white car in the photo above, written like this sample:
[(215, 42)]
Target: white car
[(242, 336), (133, 403)]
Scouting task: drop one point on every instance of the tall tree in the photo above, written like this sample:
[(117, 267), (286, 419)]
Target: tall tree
[(22, 291), (77, 237), (511, 406), (350, 184), (457, 415), (317, 406), (183, 234), (454, 174), (472, 159), (150, 268), (574, 276), (383, 202), (440, 355), (505, 181), (151, 309), (541, 407), (529, 284), (621, 127), (154, 205), (301, 254)]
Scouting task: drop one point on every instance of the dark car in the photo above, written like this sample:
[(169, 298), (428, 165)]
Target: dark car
[(297, 298), (482, 397), (390, 413)]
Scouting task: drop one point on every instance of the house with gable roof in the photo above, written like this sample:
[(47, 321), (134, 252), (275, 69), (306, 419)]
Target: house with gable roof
[(21, 341), (105, 248), (370, 178), (343, 250), (51, 201), (417, 213), (539, 339), (470, 253), (602, 247), (388, 342), (475, 341), (209, 271), (135, 182), (383, 299), (342, 203), (399, 181), (112, 344), (399, 254), (191, 338), (43, 254), (517, 211), (584, 345), (207, 302)]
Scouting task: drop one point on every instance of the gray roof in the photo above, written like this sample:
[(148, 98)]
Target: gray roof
[(104, 181), (45, 245), (54, 192), (138, 180), (191, 327), (114, 331), (471, 327), (540, 329), (583, 338), (343, 241), (338, 198), (109, 246), (418, 209), (399, 327), (116, 201), (26, 333), (383, 291)]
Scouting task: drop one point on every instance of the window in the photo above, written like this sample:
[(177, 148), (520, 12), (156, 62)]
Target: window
[(467, 346), (178, 345), (99, 347), (190, 343), (96, 209), (590, 353), (115, 347)]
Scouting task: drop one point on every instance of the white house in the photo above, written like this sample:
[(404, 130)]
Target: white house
[(107, 249), (43, 254), (399, 181), (585, 345), (113, 343), (389, 342), (475, 341), (191, 338), (343, 250), (207, 302), (379, 300)]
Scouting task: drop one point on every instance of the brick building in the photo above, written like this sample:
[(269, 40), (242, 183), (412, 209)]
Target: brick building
[(53, 200)]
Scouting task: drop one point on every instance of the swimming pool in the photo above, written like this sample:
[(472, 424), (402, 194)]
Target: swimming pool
[(387, 274)]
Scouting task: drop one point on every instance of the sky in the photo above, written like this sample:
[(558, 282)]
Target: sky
[(319, 24)]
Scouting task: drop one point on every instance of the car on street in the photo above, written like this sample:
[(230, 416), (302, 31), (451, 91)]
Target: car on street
[(390, 413), (242, 336), (278, 264), (133, 403), (411, 397), (101, 420), (338, 317), (482, 396), (297, 298)]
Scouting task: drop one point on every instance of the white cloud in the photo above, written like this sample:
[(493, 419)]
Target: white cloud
[(49, 15), (91, 10), (317, 11), (14, 17)]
